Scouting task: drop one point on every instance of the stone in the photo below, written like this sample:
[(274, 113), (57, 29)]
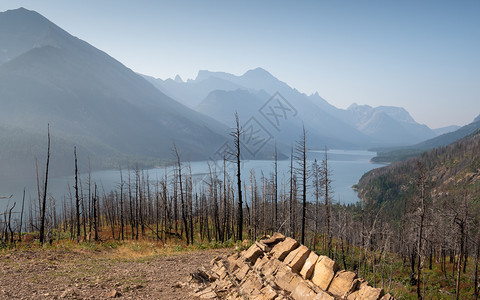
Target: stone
[(367, 292), (323, 296), (232, 262), (276, 238), (309, 265), (353, 296), (250, 284), (262, 246), (207, 293), (253, 253), (242, 272), (286, 279), (268, 293), (324, 272), (114, 294), (343, 283), (281, 250), (296, 258), (214, 260), (260, 263), (303, 292), (270, 267)]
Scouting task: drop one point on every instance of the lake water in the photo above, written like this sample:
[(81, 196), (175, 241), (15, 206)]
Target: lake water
[(347, 167)]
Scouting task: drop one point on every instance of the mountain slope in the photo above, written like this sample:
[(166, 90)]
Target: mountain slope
[(447, 129), (322, 128), (83, 93), (355, 127), (439, 141), (448, 170)]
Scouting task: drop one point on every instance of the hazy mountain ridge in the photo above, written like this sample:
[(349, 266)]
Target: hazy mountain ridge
[(85, 94), (359, 126), (448, 168), (446, 129), (445, 139)]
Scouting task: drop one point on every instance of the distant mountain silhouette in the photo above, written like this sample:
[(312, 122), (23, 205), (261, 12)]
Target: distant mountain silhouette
[(403, 153), (355, 127), (446, 129), (89, 99)]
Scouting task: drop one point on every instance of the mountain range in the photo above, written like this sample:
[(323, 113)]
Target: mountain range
[(116, 116), (403, 153), (220, 94)]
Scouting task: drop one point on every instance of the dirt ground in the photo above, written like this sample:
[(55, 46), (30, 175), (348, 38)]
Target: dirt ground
[(59, 274)]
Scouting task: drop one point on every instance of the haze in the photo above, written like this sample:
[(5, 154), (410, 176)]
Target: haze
[(422, 56)]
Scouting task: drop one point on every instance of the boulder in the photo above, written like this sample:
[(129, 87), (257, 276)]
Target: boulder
[(251, 285), (232, 262), (281, 250), (268, 293), (309, 265), (253, 253), (343, 283), (281, 269), (262, 246), (303, 292), (296, 258), (324, 296), (324, 272), (276, 238), (367, 292), (242, 272), (270, 267), (286, 279)]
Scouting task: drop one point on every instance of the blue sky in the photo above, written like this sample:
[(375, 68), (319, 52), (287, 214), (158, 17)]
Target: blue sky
[(421, 55)]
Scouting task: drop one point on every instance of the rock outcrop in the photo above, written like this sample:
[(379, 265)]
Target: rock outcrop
[(280, 268)]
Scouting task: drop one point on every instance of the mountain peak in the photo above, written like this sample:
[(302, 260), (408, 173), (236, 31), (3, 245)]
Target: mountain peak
[(178, 79), (22, 12), (257, 72), (477, 119)]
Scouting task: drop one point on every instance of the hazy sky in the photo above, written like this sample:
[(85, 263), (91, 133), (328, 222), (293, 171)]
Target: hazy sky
[(421, 55)]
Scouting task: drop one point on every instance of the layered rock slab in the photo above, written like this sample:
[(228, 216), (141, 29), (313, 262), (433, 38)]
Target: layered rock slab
[(278, 267)]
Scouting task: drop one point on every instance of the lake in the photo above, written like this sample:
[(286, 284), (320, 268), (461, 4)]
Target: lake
[(347, 167)]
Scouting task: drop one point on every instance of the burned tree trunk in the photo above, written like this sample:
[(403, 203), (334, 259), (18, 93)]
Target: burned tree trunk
[(44, 201)]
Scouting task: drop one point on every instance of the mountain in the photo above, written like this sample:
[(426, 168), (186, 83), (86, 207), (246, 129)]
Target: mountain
[(192, 92), (322, 128), (390, 125), (356, 127), (446, 129), (477, 119), (449, 170), (445, 139), (89, 98)]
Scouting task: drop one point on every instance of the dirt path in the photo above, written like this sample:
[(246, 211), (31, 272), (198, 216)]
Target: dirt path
[(76, 275)]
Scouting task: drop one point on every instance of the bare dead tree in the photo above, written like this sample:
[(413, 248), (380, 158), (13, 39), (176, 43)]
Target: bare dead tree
[(182, 200), (301, 158), (21, 217), (236, 133), (77, 199), (43, 207), (421, 183)]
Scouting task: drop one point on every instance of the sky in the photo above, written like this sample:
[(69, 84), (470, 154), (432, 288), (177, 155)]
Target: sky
[(420, 55)]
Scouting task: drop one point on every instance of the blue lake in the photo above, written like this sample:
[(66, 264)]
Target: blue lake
[(346, 167)]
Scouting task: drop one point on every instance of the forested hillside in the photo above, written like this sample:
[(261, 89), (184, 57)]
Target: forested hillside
[(431, 205), (403, 153)]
